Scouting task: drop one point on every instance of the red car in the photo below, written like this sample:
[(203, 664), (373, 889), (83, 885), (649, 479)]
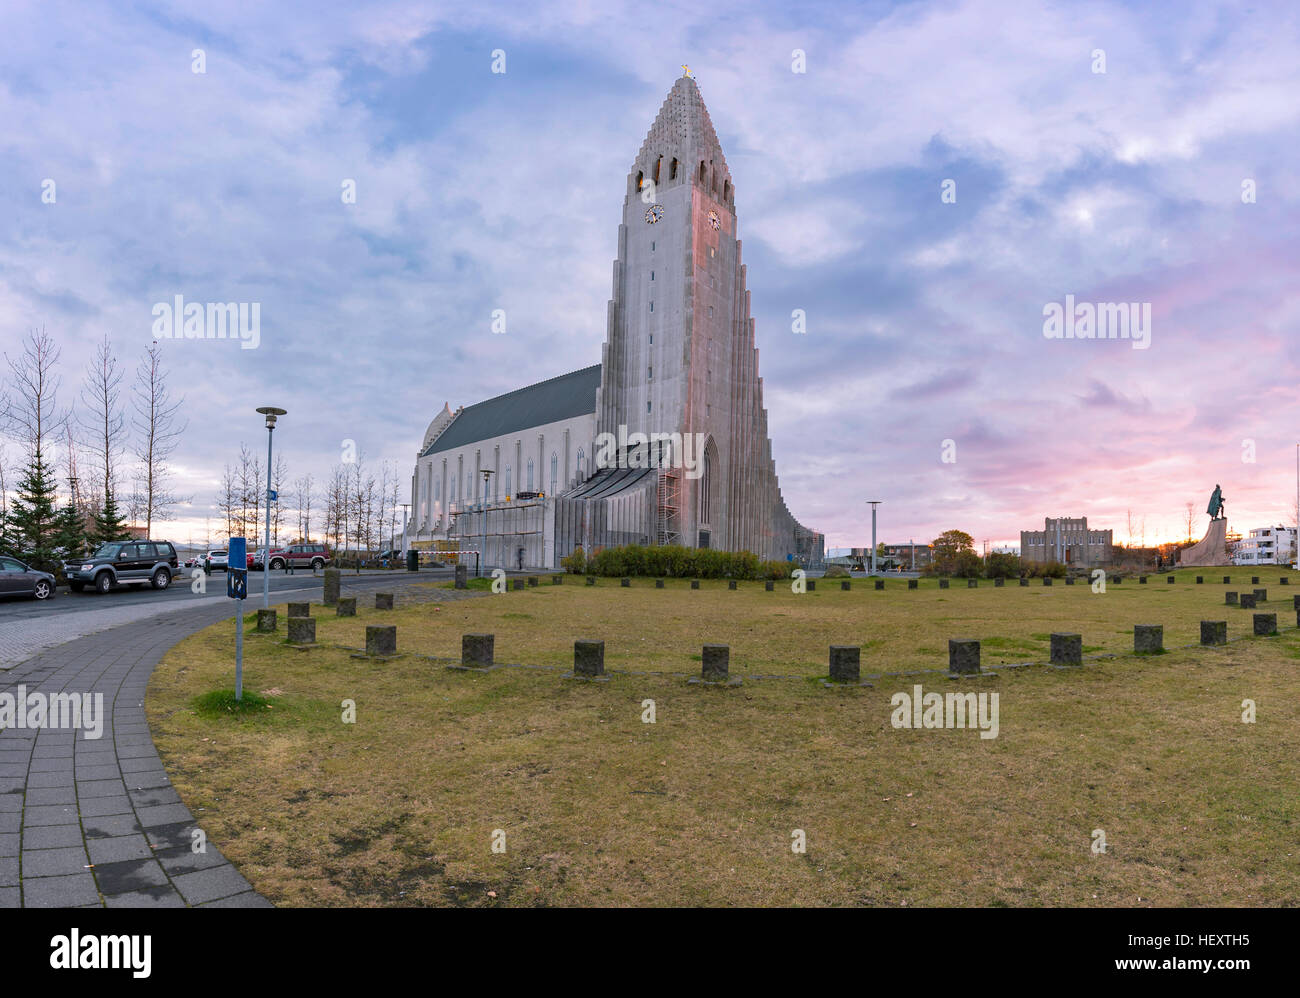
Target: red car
[(309, 555)]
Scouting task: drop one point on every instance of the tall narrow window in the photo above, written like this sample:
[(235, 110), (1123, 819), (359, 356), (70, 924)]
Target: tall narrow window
[(652, 306), (507, 481), (530, 474), (555, 471), (582, 464), (672, 170), (706, 486), (650, 374)]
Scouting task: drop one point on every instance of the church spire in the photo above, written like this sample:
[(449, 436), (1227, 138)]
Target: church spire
[(682, 146)]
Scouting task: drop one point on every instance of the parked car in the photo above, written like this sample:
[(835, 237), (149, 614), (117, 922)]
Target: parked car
[(20, 579), (313, 556), (126, 563), (215, 559)]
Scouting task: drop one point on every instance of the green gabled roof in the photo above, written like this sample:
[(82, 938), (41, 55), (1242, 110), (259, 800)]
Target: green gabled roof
[(569, 395)]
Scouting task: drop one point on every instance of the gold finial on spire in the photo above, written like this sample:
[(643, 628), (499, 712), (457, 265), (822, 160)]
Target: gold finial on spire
[(686, 70)]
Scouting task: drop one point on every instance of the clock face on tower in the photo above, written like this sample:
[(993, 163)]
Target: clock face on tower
[(654, 213), (715, 221)]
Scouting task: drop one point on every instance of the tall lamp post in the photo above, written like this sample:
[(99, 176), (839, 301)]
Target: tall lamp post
[(487, 482), (270, 412), (873, 503), (406, 506)]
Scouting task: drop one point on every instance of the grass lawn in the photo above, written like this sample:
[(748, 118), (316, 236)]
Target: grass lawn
[(599, 808)]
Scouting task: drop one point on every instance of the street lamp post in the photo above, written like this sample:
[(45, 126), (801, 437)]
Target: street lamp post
[(873, 503), (482, 551), (406, 506), (270, 412)]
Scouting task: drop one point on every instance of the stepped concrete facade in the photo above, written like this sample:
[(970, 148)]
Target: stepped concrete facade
[(666, 440)]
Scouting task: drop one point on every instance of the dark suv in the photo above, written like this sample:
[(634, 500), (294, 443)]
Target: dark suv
[(125, 563)]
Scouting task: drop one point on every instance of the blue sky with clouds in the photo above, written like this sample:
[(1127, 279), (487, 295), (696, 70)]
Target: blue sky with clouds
[(478, 191)]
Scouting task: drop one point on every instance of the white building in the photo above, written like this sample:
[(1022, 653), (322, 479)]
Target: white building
[(1266, 546)]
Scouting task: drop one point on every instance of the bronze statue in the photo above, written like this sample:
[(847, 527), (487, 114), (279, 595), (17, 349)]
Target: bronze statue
[(1217, 503)]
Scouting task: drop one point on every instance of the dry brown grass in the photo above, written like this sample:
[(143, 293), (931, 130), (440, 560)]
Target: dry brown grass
[(599, 808)]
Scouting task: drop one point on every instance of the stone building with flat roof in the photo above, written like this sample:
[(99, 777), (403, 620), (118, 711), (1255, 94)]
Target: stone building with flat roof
[(1067, 540)]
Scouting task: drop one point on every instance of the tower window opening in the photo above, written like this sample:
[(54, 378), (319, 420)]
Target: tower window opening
[(640, 180), (704, 173), (658, 163), (672, 169)]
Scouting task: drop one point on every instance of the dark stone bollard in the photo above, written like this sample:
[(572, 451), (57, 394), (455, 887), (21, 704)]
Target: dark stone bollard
[(462, 576), (1295, 602), (532, 580), (1214, 632), (1069, 580), (1200, 580), (880, 583), (944, 583), (557, 580), (812, 585), (911, 583), (845, 660), (1265, 624), (659, 583), (731, 584), (1067, 649), (1261, 595), (1169, 579), (1047, 580), (1024, 581), (626, 583), (381, 639), (1148, 638), (1254, 580), (588, 658), (1229, 599), (1247, 601), (695, 583), (591, 580), (517, 585), (972, 583), (1117, 579), (265, 621), (333, 580), (845, 586), (716, 661), (476, 650), (769, 586), (346, 606), (302, 630), (383, 601), (299, 609), (963, 656), (999, 582), (1284, 581), (1142, 580), (1227, 580)]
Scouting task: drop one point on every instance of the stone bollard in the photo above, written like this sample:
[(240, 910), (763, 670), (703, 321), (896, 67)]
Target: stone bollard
[(383, 601), (1148, 638), (769, 586), (1142, 580), (346, 607), (1284, 581), (1069, 580), (1261, 595), (517, 585), (333, 580), (695, 583), (588, 658), (1227, 580), (532, 581), (1117, 579), (1047, 580), (716, 663), (1214, 632), (812, 586), (1229, 599), (1200, 580), (1254, 580), (845, 662), (557, 580), (731, 584), (1169, 579), (302, 630), (659, 583), (972, 583), (591, 580), (963, 657), (1295, 602), (845, 586), (1265, 624), (1024, 581), (911, 583), (999, 582), (944, 583), (381, 639), (265, 621), (299, 609), (462, 576), (476, 650), (1067, 649), (880, 583), (625, 582), (1247, 601)]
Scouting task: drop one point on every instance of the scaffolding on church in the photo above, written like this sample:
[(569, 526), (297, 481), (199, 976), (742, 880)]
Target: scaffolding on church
[(668, 505)]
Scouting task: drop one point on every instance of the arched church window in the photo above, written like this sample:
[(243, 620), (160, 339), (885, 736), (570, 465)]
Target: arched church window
[(640, 180), (704, 173), (451, 493), (437, 488), (555, 471), (582, 464), (672, 169), (658, 163), (726, 192), (530, 474), (508, 493)]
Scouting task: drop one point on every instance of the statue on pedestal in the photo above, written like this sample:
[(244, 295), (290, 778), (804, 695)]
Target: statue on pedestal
[(1217, 502)]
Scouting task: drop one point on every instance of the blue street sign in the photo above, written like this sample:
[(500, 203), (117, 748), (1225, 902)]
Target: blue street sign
[(272, 494), (237, 553), (237, 583)]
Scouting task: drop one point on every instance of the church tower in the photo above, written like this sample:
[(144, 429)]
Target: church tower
[(679, 354)]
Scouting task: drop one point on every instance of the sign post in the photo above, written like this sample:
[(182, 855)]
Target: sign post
[(237, 589)]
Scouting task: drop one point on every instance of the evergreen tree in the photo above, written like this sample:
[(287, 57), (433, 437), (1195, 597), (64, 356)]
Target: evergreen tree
[(108, 525), (32, 515), (69, 533)]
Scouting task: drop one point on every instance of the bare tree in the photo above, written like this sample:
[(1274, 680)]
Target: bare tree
[(104, 423), (31, 413), (1191, 520), (229, 500), (156, 421), (303, 495), (277, 483)]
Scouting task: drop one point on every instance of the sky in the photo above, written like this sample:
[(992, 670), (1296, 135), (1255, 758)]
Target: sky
[(1115, 153)]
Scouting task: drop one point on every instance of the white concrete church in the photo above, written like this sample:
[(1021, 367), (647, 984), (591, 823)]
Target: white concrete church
[(665, 441)]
